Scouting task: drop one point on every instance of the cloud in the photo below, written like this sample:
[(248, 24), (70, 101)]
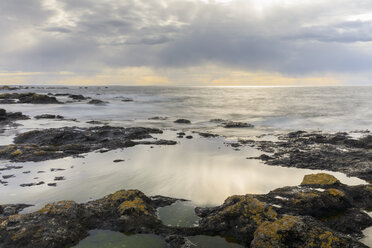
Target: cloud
[(291, 38)]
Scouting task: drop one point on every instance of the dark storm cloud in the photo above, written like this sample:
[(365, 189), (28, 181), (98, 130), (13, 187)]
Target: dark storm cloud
[(85, 36)]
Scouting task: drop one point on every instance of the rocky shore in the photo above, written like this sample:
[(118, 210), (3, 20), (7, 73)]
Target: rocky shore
[(317, 150), (321, 212), (45, 144)]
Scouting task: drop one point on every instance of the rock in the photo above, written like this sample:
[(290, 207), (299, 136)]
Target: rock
[(29, 98), (319, 151), (118, 160), (48, 116), (208, 135), (238, 217), (95, 122), (8, 88), (52, 184), (59, 178), (9, 117), (232, 124), (64, 223), (96, 102), (77, 97), (158, 118), (292, 231), (8, 176), (126, 99), (11, 209), (182, 121), (54, 143), (189, 137), (320, 179)]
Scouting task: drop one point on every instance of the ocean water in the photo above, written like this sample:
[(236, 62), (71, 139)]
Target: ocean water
[(204, 171)]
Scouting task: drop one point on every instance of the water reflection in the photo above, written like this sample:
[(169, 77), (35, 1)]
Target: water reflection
[(110, 239)]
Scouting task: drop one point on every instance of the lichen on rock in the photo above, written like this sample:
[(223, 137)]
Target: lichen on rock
[(319, 179)]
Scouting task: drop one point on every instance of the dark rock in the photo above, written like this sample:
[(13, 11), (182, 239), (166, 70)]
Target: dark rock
[(159, 118), (30, 98), (48, 116), (182, 121), (96, 102), (125, 99), (56, 169), (189, 137), (8, 176), (77, 97), (64, 223), (181, 134), (8, 88), (118, 160), (52, 184), (59, 178), (11, 209), (95, 122), (54, 143), (208, 135), (232, 124), (320, 151)]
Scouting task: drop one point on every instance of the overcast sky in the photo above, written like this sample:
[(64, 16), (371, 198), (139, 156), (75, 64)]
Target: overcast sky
[(186, 42)]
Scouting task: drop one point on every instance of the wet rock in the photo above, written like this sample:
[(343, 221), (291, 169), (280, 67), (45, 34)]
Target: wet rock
[(188, 137), (6, 87), (312, 215), (11, 209), (118, 160), (52, 184), (96, 102), (320, 151), (293, 231), (31, 184), (64, 223), (208, 135), (182, 121), (77, 97), (233, 124), (319, 179), (54, 143), (59, 178), (8, 117), (95, 122), (7, 176), (32, 98), (126, 99), (217, 120), (48, 116), (158, 118)]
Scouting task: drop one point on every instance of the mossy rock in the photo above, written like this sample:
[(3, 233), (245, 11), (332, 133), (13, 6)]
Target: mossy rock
[(320, 179), (294, 231)]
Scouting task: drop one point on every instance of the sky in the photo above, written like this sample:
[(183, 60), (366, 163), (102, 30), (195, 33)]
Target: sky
[(186, 42)]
